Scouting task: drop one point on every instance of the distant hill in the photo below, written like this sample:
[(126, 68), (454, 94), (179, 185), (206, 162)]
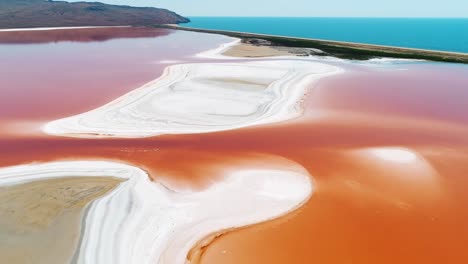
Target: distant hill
[(46, 13)]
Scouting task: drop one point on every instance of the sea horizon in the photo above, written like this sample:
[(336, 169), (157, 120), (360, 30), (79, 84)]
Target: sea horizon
[(440, 34), (463, 18)]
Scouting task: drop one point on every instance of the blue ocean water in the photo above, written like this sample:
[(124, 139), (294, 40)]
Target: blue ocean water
[(447, 34)]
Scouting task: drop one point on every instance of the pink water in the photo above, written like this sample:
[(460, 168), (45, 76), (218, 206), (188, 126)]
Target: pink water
[(365, 209)]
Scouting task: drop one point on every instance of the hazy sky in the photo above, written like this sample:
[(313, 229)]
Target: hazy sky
[(308, 8)]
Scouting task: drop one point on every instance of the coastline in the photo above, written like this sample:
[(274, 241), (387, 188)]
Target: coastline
[(341, 49), (56, 28), (238, 94), (164, 224)]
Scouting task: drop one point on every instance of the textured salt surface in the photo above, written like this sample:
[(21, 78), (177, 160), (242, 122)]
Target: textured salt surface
[(205, 97), (145, 222)]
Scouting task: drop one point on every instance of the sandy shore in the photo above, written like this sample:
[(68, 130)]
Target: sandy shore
[(40, 221), (139, 221), (237, 49), (252, 51), (258, 48)]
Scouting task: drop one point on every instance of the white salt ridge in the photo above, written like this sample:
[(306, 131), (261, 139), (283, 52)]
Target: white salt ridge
[(145, 222), (204, 97), (167, 62), (381, 60)]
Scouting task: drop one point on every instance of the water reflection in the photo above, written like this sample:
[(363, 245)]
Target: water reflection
[(79, 35), (399, 155)]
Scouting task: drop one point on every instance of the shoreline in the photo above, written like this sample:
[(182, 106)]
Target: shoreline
[(165, 224), (341, 49), (56, 28), (238, 94)]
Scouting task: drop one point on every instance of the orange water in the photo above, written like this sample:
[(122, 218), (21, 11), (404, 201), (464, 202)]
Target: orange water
[(366, 208)]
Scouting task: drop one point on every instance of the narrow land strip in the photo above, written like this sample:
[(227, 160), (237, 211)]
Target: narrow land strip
[(346, 50)]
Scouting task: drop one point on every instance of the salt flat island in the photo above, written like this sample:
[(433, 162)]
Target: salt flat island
[(160, 224), (197, 98), (187, 147)]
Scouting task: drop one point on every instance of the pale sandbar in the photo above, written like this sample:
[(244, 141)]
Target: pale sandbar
[(40, 221), (146, 222)]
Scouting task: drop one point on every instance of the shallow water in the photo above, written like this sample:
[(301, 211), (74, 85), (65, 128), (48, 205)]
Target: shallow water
[(386, 146), (54, 74), (389, 167)]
